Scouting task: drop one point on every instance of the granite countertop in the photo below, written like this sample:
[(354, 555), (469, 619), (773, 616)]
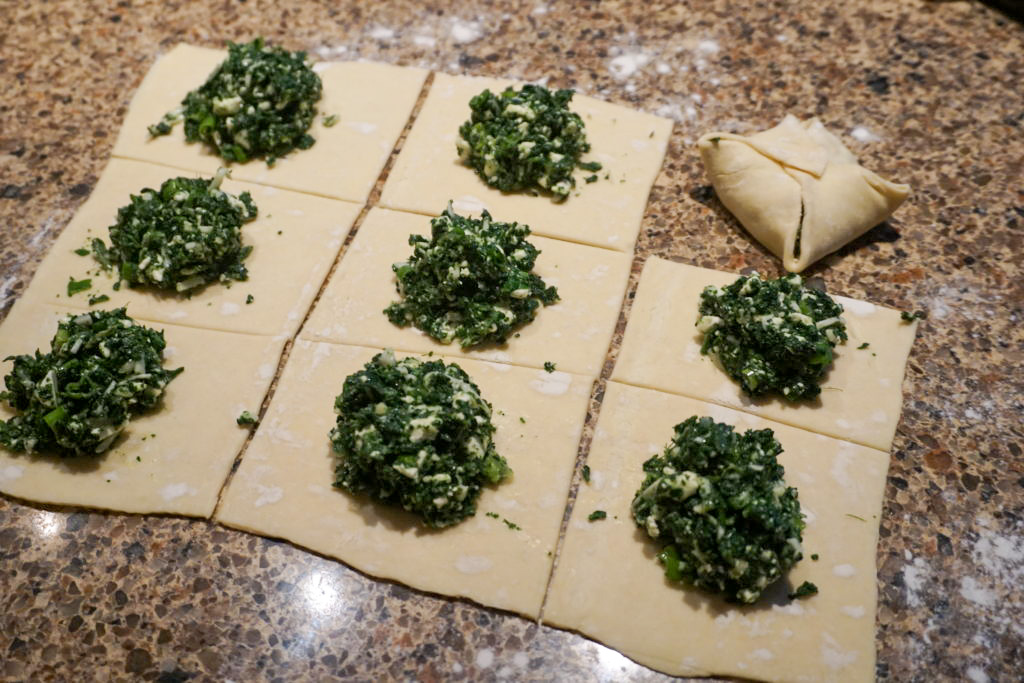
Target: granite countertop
[(927, 93)]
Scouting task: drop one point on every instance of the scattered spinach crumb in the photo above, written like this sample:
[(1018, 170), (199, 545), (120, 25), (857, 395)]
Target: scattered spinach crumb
[(908, 317), (863, 346), (805, 590), (718, 502), (814, 557), (592, 178), (258, 103), (98, 299), (596, 515), (416, 434), (549, 366), (512, 526), (470, 281), (525, 140), (76, 286), (138, 458), (331, 120), (181, 237), (249, 298), (714, 141), (83, 251), (493, 514), (522, 419), (856, 517), (771, 336), (586, 473), (246, 418), (102, 369)]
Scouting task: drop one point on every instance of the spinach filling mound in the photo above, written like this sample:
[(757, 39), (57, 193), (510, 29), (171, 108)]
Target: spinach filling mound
[(416, 434), (525, 140), (181, 237), (470, 281), (102, 369), (717, 500), (771, 336), (258, 103)]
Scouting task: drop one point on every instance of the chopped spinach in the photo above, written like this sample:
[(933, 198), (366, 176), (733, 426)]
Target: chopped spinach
[(258, 103), (82, 251), (181, 237), (416, 434), (76, 286), (470, 281), (525, 140), (249, 298), (246, 418), (718, 501), (102, 369), (908, 317), (771, 336), (586, 473), (863, 346), (98, 299), (805, 590), (596, 515), (549, 366)]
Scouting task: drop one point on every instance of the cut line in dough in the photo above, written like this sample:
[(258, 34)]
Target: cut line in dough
[(173, 459), (629, 144), (609, 585), (573, 333), (286, 270), (372, 101), (480, 558), (861, 395)]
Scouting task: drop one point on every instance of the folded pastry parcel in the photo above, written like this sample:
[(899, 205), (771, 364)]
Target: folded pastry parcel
[(797, 189)]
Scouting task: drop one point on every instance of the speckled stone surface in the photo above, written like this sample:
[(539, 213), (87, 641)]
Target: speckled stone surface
[(927, 93)]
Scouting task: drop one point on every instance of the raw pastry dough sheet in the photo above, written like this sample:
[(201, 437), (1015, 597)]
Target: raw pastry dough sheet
[(573, 333), (373, 103), (285, 270), (606, 213), (173, 459), (283, 488), (861, 395), (609, 585)]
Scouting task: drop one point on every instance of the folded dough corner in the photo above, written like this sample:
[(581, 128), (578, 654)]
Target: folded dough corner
[(797, 189)]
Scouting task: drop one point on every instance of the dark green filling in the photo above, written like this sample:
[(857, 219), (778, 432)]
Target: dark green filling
[(470, 281), (258, 103), (418, 435), (525, 140), (102, 369), (181, 237), (718, 502), (771, 336)]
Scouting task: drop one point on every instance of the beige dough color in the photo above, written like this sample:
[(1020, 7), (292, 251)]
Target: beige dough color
[(372, 101), (173, 459), (573, 333), (283, 487), (797, 189), (607, 213), (609, 585), (861, 396), (285, 270)]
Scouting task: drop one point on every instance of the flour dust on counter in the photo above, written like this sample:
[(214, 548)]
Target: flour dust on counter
[(609, 586), (573, 333), (861, 393), (629, 145), (294, 238), (372, 103), (284, 485), (171, 459)]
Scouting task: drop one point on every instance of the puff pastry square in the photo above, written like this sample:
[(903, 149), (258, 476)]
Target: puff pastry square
[(797, 189)]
